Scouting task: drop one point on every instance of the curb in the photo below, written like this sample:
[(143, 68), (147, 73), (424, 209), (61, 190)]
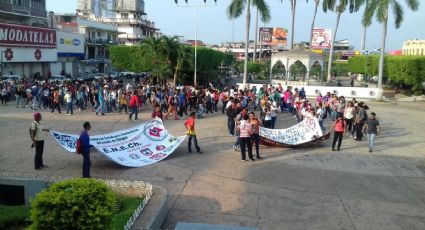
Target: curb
[(155, 212)]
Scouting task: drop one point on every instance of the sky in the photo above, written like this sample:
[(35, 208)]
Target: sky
[(214, 26)]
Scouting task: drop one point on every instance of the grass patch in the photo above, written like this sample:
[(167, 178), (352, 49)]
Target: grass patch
[(126, 207), (14, 217)]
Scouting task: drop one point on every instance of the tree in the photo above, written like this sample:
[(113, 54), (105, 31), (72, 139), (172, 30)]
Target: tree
[(236, 9), (339, 8), (380, 9), (184, 57), (316, 6)]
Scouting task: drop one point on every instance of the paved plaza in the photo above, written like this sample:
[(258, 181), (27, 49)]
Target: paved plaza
[(310, 188)]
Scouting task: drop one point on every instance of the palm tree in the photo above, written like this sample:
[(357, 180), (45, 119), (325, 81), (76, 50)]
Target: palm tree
[(184, 57), (380, 9), (363, 43), (236, 9), (339, 8), (316, 6)]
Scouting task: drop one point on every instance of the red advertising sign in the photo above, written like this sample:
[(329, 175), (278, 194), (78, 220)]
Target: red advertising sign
[(26, 36)]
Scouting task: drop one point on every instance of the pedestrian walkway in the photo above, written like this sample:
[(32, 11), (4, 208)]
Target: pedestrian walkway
[(311, 188)]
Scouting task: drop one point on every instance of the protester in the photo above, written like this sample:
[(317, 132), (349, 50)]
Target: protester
[(349, 116), (38, 140), (245, 130), (157, 113), (321, 116), (360, 118), (69, 105), (255, 133), (56, 101), (339, 128), (85, 141), (372, 129), (134, 101), (190, 126), (123, 101)]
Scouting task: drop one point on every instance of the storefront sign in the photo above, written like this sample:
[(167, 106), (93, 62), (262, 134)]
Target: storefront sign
[(145, 144), (70, 44), (26, 36)]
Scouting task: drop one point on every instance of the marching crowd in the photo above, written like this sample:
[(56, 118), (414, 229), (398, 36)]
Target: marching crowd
[(106, 96)]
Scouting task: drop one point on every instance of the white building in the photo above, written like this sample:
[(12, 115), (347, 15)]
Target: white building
[(27, 46), (97, 38), (414, 47), (128, 15)]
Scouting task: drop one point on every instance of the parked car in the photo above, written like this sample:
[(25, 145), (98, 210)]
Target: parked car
[(98, 76), (58, 78), (9, 78), (113, 74)]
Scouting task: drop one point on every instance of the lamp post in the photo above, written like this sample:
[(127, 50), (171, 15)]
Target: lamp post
[(196, 30)]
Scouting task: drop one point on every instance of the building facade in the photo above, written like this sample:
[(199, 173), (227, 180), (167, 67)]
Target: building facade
[(27, 46), (128, 15), (96, 38), (414, 47)]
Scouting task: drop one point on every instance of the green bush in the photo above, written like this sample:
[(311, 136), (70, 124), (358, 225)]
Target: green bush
[(73, 204)]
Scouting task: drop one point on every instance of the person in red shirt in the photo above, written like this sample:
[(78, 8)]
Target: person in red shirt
[(134, 102), (339, 128), (190, 126), (157, 113)]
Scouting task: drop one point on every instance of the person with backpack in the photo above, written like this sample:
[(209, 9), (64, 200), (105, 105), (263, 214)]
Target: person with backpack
[(339, 128), (85, 149), (38, 140)]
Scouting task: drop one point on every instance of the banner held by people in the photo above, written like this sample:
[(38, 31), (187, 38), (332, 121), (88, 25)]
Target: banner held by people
[(304, 133), (145, 144)]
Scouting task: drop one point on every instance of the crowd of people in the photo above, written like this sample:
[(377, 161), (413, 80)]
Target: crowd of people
[(246, 109)]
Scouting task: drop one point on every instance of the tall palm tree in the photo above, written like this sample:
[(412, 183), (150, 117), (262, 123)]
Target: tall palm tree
[(339, 8), (363, 43), (236, 9), (380, 9), (316, 6)]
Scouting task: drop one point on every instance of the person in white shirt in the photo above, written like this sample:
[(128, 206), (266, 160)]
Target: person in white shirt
[(273, 114), (68, 100)]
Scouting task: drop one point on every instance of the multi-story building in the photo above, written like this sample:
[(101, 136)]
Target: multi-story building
[(414, 47), (27, 46), (128, 15), (98, 37)]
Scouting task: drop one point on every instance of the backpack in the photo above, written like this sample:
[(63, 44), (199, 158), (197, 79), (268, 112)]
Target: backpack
[(79, 146)]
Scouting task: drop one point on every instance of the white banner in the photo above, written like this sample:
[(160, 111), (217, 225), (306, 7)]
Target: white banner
[(304, 132), (143, 145)]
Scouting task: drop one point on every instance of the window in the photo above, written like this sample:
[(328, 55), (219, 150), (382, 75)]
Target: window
[(124, 15), (38, 4), (67, 19)]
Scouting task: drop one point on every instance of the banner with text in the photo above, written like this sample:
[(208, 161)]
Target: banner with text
[(306, 132), (143, 145)]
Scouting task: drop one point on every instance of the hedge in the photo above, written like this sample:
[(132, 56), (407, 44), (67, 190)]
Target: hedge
[(406, 70), (73, 204)]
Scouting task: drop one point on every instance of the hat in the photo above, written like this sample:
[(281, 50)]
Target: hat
[(37, 115)]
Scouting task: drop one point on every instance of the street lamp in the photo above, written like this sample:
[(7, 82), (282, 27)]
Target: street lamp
[(196, 29)]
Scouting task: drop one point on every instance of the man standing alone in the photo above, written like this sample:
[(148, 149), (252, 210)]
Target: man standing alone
[(85, 141), (372, 129), (38, 141)]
